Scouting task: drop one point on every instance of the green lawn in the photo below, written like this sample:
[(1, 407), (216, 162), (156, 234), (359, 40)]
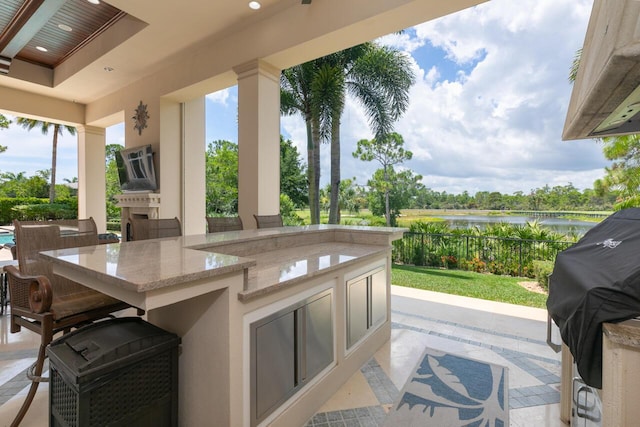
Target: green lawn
[(469, 284)]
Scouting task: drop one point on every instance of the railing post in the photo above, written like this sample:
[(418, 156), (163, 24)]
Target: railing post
[(520, 261), (467, 249)]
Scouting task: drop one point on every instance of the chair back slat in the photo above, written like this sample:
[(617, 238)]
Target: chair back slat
[(145, 228), (219, 224), (268, 221), (33, 237)]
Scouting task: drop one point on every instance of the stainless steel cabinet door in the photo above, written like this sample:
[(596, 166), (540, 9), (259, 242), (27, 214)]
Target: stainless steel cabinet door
[(274, 363), (289, 348), (318, 336), (357, 304), (378, 298)]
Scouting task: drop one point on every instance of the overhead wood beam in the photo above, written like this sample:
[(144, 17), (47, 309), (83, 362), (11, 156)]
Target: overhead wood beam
[(21, 17), (27, 22)]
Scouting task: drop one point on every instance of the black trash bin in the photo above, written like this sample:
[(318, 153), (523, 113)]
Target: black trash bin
[(118, 372)]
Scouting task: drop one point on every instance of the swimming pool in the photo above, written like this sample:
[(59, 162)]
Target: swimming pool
[(6, 238)]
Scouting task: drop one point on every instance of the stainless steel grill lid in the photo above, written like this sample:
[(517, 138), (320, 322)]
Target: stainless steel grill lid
[(594, 281)]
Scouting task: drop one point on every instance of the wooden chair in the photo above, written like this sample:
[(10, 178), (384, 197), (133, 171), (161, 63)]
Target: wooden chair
[(46, 303), (146, 228), (268, 221), (219, 224)]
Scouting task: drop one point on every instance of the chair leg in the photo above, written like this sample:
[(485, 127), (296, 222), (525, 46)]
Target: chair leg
[(32, 390)]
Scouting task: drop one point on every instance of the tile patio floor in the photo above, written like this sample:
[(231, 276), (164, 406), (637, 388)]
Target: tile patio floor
[(508, 335)]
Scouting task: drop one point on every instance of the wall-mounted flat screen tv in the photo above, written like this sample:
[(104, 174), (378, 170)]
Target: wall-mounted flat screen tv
[(135, 169)]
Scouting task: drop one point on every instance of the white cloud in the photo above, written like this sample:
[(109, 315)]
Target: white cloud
[(221, 97), (403, 41), (497, 126)]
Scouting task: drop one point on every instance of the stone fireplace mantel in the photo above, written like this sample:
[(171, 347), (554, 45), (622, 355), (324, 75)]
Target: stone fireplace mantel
[(134, 205)]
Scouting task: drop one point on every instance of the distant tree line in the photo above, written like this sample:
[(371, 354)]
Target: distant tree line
[(560, 198), (408, 192)]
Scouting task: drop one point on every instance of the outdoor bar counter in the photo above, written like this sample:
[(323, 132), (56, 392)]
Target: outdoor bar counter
[(273, 321)]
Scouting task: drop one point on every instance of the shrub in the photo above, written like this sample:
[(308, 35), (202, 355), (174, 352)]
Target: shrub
[(541, 271), (376, 221), (449, 261), (288, 211), (113, 226), (7, 215), (474, 264), (43, 212), (418, 256)]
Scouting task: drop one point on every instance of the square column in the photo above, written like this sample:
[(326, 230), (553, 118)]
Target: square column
[(258, 140), (194, 175), (92, 193), (182, 163)]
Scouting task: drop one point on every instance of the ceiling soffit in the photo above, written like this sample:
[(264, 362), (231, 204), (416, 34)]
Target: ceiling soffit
[(45, 33)]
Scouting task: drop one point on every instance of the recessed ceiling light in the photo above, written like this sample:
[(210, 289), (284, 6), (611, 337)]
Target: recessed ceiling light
[(42, 49), (94, 1), (254, 5), (65, 27)]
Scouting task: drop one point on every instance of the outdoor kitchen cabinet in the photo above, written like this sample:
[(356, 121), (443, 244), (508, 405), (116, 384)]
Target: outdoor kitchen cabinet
[(366, 304), (289, 348)]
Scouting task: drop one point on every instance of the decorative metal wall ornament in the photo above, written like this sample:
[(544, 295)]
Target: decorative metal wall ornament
[(140, 117)]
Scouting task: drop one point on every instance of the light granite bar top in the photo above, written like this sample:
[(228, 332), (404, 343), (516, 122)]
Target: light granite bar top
[(287, 267), (148, 264), (274, 258)]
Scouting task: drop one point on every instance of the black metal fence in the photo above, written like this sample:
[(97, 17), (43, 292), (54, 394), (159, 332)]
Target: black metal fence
[(496, 255)]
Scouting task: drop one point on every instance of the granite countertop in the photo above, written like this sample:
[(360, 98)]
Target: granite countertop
[(148, 264), (279, 269), (274, 258)]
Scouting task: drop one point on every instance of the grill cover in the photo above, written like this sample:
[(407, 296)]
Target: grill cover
[(594, 281)]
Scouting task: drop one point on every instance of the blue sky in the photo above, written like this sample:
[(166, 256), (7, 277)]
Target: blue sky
[(486, 112)]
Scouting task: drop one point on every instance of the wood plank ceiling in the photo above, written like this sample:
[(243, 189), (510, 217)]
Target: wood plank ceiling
[(46, 32)]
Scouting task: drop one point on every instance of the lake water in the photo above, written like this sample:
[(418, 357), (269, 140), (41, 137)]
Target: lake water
[(560, 225)]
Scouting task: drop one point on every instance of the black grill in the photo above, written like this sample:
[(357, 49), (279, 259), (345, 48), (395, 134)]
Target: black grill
[(596, 280)]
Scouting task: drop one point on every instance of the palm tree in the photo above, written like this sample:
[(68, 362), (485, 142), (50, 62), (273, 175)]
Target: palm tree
[(378, 77), (58, 129), (297, 96)]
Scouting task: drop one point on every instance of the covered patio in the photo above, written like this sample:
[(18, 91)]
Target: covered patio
[(166, 57)]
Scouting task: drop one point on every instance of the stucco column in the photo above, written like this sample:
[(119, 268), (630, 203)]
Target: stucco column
[(170, 172), (258, 140), (91, 175), (193, 119), (182, 164)]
